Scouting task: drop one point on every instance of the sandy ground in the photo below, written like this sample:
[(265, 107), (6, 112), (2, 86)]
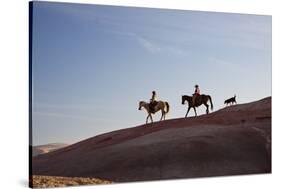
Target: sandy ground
[(234, 140), (52, 181)]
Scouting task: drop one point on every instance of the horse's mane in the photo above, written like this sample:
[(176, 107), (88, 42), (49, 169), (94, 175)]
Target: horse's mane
[(191, 96), (142, 101)]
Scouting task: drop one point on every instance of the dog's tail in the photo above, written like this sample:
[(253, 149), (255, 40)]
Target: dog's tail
[(234, 95), (212, 106)]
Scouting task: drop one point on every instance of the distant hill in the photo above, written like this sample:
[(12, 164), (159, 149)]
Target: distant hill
[(42, 149), (234, 140)]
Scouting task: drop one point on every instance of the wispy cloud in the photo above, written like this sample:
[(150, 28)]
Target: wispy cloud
[(152, 46), (221, 62), (114, 25), (148, 45)]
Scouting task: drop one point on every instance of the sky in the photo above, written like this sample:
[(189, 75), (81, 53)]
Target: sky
[(92, 64)]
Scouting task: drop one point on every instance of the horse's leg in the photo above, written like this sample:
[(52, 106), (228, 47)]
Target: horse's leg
[(147, 118), (207, 106), (151, 118), (187, 111), (195, 111), (163, 112), (161, 115)]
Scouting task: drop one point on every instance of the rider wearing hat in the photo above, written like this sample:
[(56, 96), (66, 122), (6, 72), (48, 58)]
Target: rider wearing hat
[(196, 93), (153, 101), (153, 98)]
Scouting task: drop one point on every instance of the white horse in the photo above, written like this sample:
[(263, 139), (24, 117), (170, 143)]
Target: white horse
[(159, 106)]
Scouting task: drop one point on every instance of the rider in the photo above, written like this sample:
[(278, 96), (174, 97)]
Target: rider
[(153, 101), (196, 94)]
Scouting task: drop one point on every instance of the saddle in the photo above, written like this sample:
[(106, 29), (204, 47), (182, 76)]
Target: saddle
[(152, 106), (195, 98)]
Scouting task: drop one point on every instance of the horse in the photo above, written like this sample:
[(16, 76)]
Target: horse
[(201, 99), (160, 105)]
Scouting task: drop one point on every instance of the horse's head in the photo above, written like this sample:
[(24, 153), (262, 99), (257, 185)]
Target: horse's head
[(140, 104), (182, 99)]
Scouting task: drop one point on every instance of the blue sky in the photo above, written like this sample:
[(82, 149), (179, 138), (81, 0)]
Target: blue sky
[(92, 64)]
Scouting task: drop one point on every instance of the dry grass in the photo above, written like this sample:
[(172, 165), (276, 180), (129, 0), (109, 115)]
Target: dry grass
[(53, 181)]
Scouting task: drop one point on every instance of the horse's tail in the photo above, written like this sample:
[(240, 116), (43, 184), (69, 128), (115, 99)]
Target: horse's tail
[(167, 107), (212, 106)]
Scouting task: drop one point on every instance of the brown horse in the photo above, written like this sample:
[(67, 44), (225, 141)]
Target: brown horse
[(201, 99), (159, 106)]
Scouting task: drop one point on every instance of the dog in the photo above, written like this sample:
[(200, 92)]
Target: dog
[(231, 100)]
